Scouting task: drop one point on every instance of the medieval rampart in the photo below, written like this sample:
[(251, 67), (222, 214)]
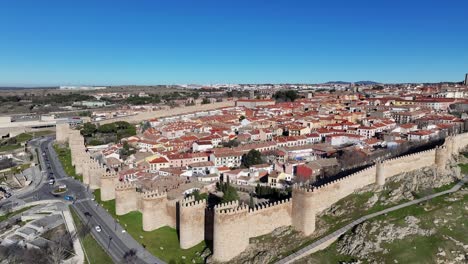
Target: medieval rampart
[(126, 198), (234, 224), (157, 211), (191, 223), (233, 227), (169, 112)]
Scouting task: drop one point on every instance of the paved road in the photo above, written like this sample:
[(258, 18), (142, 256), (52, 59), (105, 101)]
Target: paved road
[(111, 238), (330, 238)]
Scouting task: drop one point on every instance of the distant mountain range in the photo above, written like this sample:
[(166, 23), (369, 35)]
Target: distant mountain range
[(359, 82)]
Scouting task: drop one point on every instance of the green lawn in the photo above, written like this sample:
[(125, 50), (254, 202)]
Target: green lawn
[(64, 155), (93, 250), (23, 137), (8, 215), (163, 242), (9, 147), (20, 168), (464, 168)]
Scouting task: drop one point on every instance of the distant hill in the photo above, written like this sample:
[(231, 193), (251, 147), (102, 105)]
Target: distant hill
[(358, 83)]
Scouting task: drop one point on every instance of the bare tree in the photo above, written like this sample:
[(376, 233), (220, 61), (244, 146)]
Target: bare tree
[(59, 248), (130, 256)]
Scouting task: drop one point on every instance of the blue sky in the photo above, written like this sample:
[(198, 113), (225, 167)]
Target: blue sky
[(105, 42)]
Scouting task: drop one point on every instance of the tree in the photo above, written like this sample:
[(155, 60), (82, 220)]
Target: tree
[(241, 118), (253, 157), (199, 196), (286, 96), (205, 101), (144, 126), (126, 151), (229, 193), (251, 202), (59, 247), (231, 143), (130, 256), (88, 129)]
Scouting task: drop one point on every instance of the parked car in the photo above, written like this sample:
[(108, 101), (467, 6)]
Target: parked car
[(98, 229)]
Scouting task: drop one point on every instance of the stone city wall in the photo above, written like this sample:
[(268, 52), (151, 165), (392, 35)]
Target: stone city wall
[(126, 198), (191, 223), (108, 183), (233, 227), (94, 174), (169, 112), (157, 211), (234, 224)]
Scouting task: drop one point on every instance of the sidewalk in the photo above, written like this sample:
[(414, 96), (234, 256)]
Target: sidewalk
[(79, 257)]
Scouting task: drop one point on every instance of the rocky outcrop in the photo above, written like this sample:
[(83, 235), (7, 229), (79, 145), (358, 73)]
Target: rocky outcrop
[(266, 249), (399, 188), (368, 237)]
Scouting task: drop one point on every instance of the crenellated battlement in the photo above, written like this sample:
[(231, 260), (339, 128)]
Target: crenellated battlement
[(265, 206), (232, 211), (410, 156), (302, 189), (226, 205), (125, 186), (109, 175), (187, 199), (194, 203), (153, 195)]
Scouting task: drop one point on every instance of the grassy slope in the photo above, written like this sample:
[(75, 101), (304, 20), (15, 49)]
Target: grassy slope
[(164, 237), (9, 147), (8, 215), (355, 204), (64, 155), (416, 249), (92, 248)]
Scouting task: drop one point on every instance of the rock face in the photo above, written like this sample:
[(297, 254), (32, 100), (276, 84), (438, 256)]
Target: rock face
[(404, 186), (267, 248), (368, 237)]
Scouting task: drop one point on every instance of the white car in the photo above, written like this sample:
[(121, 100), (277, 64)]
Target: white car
[(98, 229)]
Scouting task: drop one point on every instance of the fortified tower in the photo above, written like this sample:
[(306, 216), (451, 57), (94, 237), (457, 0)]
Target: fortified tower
[(192, 223), (126, 198), (96, 170), (380, 173), (109, 181), (449, 141), (154, 210), (303, 210), (86, 164), (62, 131), (441, 157), (230, 232)]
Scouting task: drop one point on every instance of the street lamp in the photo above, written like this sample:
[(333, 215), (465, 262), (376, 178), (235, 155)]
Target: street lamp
[(110, 239)]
